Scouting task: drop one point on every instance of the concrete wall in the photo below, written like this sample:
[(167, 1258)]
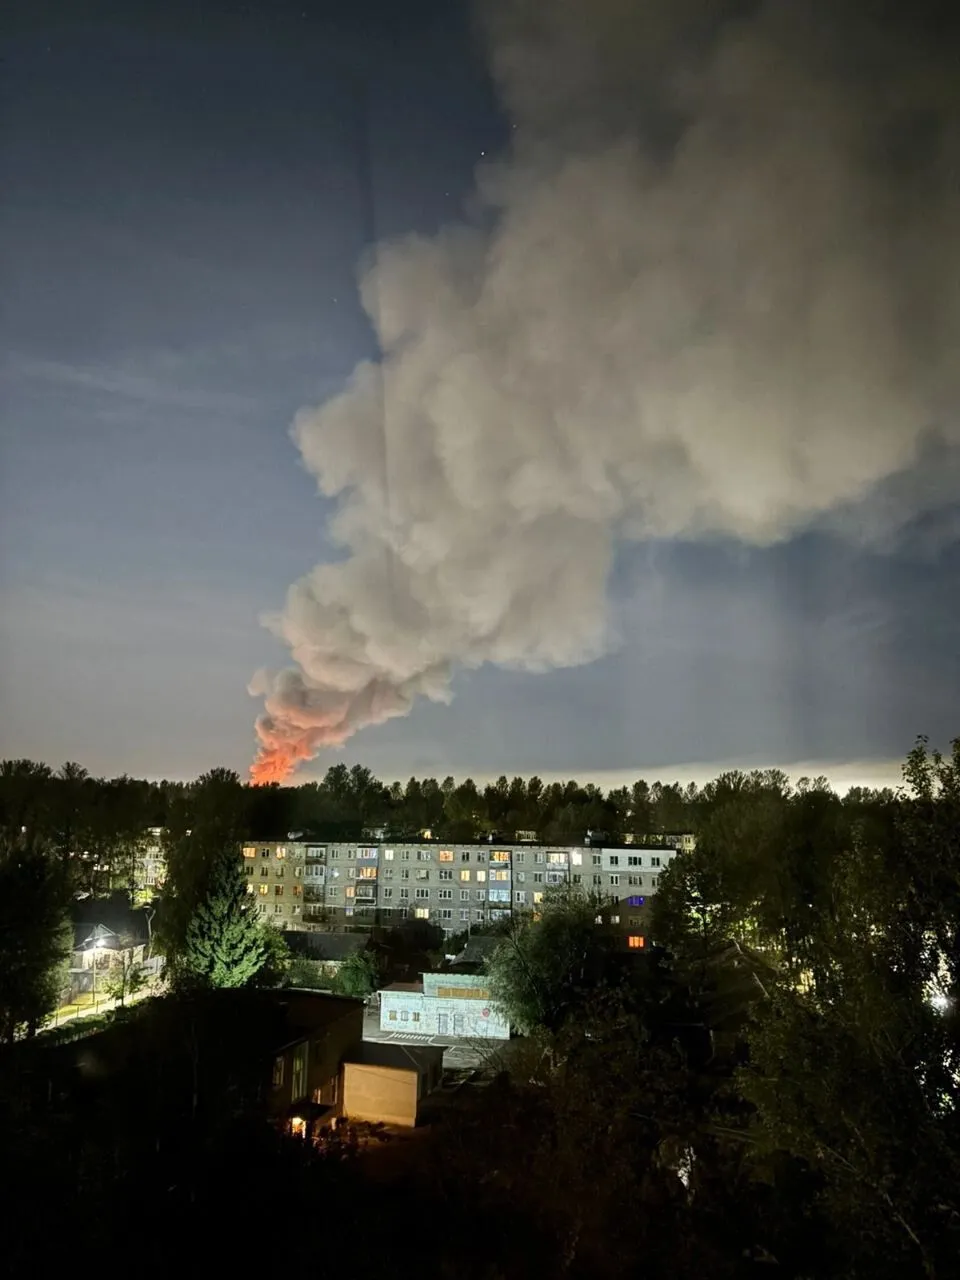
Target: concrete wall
[(377, 1093), (437, 1011)]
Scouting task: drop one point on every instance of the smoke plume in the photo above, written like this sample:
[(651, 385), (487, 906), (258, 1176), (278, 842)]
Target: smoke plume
[(715, 292)]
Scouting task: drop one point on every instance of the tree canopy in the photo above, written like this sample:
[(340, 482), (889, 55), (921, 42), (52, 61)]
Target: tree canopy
[(224, 943)]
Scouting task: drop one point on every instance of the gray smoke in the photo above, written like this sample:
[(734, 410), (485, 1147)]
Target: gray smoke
[(720, 296)]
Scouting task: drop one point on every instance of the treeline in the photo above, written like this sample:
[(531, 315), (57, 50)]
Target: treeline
[(101, 822)]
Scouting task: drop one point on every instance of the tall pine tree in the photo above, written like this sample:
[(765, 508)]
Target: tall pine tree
[(224, 944)]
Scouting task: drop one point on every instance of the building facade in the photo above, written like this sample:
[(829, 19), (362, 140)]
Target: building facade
[(443, 1004), (151, 865), (275, 878), (457, 886)]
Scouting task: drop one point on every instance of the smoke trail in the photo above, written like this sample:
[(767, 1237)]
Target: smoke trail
[(721, 296)]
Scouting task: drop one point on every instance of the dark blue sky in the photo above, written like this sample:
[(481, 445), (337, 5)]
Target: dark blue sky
[(182, 216)]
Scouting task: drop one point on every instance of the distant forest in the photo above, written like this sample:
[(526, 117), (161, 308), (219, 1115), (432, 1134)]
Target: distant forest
[(106, 818)]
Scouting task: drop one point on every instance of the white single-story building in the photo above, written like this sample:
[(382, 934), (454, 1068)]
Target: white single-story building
[(443, 1004)]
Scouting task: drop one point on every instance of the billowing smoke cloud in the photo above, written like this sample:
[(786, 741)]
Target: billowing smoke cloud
[(720, 296)]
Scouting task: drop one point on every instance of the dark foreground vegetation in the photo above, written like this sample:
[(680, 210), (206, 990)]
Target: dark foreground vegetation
[(772, 1089)]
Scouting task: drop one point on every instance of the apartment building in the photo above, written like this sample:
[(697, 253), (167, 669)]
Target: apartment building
[(456, 886), (275, 877), (151, 865)]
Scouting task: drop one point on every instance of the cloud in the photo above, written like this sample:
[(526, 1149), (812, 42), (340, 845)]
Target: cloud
[(720, 295)]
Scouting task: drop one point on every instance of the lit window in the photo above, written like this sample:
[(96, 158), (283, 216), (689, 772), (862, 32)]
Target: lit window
[(281, 852), (350, 891), (635, 901), (388, 855), (614, 919), (445, 855), (422, 913), (500, 856), (464, 876), (636, 942), (538, 897), (576, 859), (249, 888), (264, 890), (368, 873), (249, 852), (481, 876)]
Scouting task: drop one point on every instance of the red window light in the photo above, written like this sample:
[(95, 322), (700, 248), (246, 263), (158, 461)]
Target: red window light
[(635, 942)]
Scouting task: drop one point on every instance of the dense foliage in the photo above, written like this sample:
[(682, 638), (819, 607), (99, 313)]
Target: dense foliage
[(224, 943), (35, 936), (100, 823)]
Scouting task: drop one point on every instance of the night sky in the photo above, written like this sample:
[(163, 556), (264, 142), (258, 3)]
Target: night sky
[(187, 193)]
